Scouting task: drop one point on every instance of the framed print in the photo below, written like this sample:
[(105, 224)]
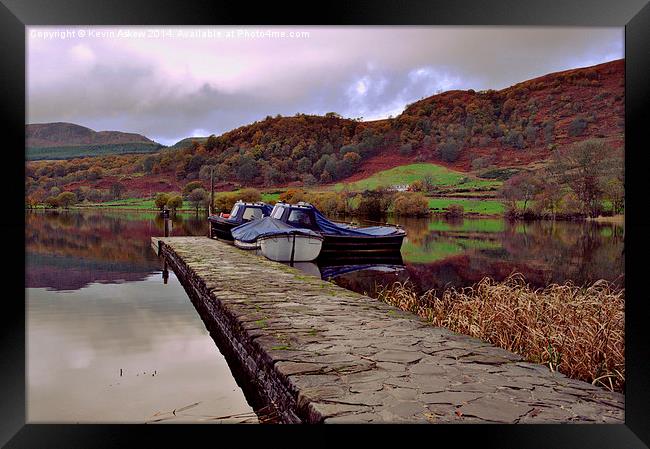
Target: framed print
[(384, 214)]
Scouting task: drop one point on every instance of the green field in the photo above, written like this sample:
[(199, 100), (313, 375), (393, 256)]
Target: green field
[(407, 174), (270, 197), (70, 152), (133, 203), (483, 207)]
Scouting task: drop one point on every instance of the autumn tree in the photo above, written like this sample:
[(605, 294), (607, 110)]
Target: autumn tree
[(190, 186), (161, 200), (116, 190), (94, 173), (521, 187), (51, 202), (584, 167), (66, 199), (198, 198), (175, 202)]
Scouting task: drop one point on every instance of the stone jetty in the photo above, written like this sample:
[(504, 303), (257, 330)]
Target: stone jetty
[(318, 353)]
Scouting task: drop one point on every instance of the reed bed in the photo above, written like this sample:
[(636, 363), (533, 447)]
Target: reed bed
[(576, 330)]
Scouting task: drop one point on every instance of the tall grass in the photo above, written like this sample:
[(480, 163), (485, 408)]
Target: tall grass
[(578, 331)]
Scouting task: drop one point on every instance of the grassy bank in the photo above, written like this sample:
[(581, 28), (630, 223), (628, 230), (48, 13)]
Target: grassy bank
[(470, 206), (144, 204), (407, 174), (578, 331)]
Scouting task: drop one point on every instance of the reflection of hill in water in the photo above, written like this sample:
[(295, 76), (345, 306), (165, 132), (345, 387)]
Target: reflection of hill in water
[(70, 273), (69, 250), (544, 252)]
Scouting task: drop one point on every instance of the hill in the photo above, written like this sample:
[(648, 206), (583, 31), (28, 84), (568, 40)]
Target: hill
[(462, 130), (187, 142), (66, 140), (481, 132)]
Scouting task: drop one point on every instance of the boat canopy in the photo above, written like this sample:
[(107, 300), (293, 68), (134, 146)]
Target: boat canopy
[(249, 232), (330, 228), (240, 211)]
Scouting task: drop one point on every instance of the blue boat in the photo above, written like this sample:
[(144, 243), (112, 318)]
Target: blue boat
[(340, 239), (222, 225)]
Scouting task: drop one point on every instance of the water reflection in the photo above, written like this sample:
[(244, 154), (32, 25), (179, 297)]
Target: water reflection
[(96, 303), (69, 250), (107, 341), (439, 253)]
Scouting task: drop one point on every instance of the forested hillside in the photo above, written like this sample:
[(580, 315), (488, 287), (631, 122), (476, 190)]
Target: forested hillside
[(465, 130)]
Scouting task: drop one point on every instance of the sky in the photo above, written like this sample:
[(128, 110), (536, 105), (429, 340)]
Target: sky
[(169, 83)]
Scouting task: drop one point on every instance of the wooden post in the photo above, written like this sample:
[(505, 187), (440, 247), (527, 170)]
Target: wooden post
[(211, 189), (166, 225)]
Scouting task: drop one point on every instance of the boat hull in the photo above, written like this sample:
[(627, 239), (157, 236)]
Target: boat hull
[(279, 248), (243, 245), (221, 229)]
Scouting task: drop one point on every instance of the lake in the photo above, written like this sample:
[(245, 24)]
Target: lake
[(109, 341)]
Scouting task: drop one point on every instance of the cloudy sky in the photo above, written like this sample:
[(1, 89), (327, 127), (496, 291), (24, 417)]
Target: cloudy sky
[(171, 83)]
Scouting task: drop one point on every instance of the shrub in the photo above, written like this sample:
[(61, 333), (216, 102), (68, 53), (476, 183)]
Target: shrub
[(329, 202), (175, 202), (417, 186), (455, 211), (293, 196), (411, 204), (249, 195), (577, 127), (223, 202), (66, 199), (190, 186), (51, 202), (374, 203), (161, 200)]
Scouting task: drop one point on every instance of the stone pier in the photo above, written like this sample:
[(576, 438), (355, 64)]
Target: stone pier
[(318, 353)]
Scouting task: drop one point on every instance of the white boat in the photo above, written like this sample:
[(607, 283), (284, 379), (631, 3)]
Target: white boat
[(294, 247)]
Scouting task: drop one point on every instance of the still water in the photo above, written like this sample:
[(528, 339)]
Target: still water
[(108, 341)]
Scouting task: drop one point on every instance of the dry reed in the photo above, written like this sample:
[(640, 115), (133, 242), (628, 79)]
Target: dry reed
[(578, 331)]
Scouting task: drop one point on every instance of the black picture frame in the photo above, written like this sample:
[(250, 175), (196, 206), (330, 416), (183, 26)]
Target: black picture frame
[(634, 15)]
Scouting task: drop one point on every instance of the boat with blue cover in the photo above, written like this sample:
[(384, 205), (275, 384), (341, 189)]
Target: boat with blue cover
[(221, 225), (279, 241), (341, 238)]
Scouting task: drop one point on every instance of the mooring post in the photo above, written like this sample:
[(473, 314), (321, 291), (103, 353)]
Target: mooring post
[(211, 187), (211, 201), (166, 219), (165, 272)]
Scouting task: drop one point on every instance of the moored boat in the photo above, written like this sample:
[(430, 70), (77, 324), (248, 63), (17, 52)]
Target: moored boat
[(291, 247), (221, 225), (278, 241), (341, 238)]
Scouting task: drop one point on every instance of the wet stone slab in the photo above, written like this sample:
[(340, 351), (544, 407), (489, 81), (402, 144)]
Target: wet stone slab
[(320, 353)]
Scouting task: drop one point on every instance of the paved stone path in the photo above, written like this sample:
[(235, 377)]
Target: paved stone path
[(342, 357)]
